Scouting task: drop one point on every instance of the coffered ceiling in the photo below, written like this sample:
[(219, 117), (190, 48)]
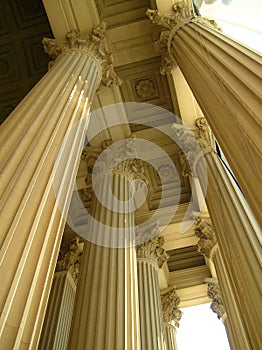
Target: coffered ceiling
[(23, 24), (117, 12)]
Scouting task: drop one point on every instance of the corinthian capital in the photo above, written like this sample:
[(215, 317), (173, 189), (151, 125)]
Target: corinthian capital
[(207, 243), (152, 250), (69, 258), (183, 9), (170, 302), (95, 44), (214, 293)]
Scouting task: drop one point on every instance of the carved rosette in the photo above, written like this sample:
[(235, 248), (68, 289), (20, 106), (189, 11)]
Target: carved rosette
[(69, 258), (170, 302), (207, 243), (214, 293), (95, 44), (153, 251)]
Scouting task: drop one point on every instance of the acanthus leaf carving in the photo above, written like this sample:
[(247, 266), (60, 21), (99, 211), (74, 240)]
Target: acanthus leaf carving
[(193, 141), (207, 243), (70, 257), (183, 11), (214, 293), (153, 249), (170, 302), (95, 43)]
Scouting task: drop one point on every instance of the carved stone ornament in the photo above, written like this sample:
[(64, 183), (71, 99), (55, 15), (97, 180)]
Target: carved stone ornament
[(94, 43), (119, 157), (145, 88), (166, 172), (69, 258), (207, 240), (214, 293), (188, 143), (152, 250), (170, 302), (192, 141), (183, 12)]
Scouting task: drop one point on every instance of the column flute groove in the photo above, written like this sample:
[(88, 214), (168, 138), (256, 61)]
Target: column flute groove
[(225, 78), (32, 222)]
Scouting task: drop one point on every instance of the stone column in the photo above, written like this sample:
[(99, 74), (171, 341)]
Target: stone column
[(208, 246), (31, 220), (58, 318), (171, 315), (106, 315), (225, 78), (150, 257), (237, 231)]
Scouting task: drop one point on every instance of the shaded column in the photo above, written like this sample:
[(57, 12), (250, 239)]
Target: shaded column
[(237, 231), (58, 317), (150, 257), (232, 319), (106, 315), (171, 316), (36, 185), (225, 78)]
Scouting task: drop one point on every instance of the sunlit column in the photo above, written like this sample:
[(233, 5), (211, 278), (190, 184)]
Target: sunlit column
[(171, 316), (31, 220), (150, 257), (225, 78), (106, 315)]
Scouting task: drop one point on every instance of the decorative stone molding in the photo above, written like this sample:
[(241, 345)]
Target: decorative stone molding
[(152, 250), (193, 141), (69, 258), (183, 13), (145, 88), (166, 172), (207, 243), (214, 293), (170, 302), (94, 44), (120, 158)]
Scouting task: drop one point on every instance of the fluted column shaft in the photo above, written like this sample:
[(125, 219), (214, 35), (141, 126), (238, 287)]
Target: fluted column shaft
[(58, 317), (225, 78), (31, 222), (234, 321), (224, 303), (151, 321), (56, 327), (106, 314), (236, 229), (170, 336), (237, 236)]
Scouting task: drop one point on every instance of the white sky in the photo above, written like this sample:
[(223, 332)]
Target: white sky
[(200, 329), (240, 19)]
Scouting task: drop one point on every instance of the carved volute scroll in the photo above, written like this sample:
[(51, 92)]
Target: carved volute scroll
[(170, 302), (94, 44), (70, 257), (153, 250), (193, 141), (214, 293), (183, 12), (207, 243)]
